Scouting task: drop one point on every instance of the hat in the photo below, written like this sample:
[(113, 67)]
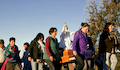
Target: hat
[(1, 41)]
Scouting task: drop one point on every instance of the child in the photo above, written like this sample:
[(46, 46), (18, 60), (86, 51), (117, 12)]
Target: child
[(24, 59)]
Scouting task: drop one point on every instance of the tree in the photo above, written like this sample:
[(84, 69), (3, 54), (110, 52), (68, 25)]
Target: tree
[(99, 14)]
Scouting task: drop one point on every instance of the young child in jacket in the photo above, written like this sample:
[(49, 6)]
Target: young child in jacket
[(25, 65)]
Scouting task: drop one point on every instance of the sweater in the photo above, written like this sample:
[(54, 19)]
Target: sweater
[(14, 54), (1, 55)]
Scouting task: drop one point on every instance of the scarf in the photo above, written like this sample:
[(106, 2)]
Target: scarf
[(41, 45), (112, 35)]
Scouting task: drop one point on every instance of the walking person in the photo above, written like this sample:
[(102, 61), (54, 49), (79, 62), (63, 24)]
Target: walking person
[(89, 58), (52, 50), (80, 42), (1, 52), (107, 45), (11, 56), (35, 52), (25, 65)]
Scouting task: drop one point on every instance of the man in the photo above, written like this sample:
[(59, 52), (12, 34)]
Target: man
[(1, 52), (11, 56)]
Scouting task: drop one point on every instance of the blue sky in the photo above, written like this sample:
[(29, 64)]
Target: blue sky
[(24, 19)]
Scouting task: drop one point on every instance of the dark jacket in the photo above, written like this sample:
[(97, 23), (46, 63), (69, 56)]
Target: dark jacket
[(105, 44), (33, 51), (90, 44)]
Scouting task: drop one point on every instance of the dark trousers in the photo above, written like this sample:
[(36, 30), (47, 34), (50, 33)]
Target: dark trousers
[(12, 67), (53, 65), (80, 61), (1, 65)]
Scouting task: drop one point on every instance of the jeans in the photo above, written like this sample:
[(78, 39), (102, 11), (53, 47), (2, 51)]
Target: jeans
[(36, 66), (113, 58), (80, 61)]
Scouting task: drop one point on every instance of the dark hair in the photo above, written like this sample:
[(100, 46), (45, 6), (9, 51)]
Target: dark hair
[(106, 26), (12, 38), (1, 41), (84, 24), (26, 43), (52, 30), (39, 36)]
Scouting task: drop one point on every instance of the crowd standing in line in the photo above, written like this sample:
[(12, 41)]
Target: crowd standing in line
[(34, 55)]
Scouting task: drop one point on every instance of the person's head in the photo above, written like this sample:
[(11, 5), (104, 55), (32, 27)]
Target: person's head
[(53, 31), (12, 41), (66, 28), (40, 37), (85, 27), (1, 43), (108, 27), (26, 45)]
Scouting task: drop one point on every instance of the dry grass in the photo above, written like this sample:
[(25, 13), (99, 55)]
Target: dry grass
[(118, 64)]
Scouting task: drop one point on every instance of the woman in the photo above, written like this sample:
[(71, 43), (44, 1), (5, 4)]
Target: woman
[(35, 52), (107, 45), (51, 50), (80, 45), (25, 65)]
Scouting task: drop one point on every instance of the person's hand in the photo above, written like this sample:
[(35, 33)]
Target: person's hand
[(10, 50), (112, 51), (51, 58), (29, 58), (74, 53)]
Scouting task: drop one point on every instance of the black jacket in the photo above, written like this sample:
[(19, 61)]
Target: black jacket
[(105, 44), (33, 50)]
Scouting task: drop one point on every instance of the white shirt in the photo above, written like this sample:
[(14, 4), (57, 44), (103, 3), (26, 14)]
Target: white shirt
[(1, 55), (21, 54), (41, 45)]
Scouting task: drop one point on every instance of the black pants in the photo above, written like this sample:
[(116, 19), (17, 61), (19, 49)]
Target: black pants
[(80, 61), (53, 65), (1, 65)]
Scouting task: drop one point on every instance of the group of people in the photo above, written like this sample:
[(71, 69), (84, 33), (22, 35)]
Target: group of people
[(107, 44), (37, 53)]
